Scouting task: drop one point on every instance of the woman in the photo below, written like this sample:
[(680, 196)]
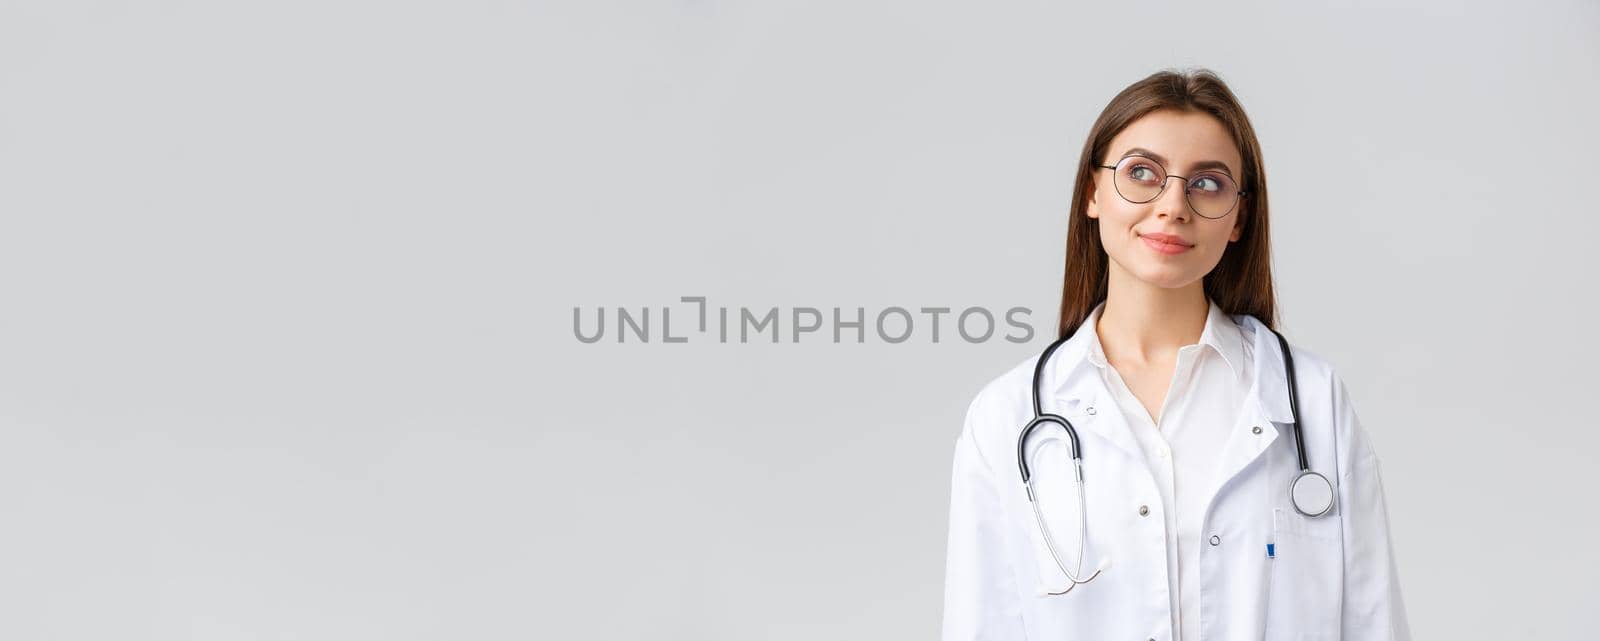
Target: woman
[(1179, 392)]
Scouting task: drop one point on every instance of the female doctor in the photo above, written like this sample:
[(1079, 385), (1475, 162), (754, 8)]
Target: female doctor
[(1189, 479)]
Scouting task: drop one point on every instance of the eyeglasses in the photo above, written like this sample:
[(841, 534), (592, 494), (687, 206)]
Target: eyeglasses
[(1212, 194)]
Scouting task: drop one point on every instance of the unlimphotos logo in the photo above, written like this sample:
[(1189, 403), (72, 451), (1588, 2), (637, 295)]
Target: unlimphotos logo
[(893, 324)]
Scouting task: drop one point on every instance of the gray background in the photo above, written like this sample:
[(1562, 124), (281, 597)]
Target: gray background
[(286, 296)]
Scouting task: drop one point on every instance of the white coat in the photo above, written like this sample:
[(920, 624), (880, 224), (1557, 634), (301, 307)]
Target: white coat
[(1331, 577)]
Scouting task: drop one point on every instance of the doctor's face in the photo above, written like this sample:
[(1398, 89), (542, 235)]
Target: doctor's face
[(1166, 242)]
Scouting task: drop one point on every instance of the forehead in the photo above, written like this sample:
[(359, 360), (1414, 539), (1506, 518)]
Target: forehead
[(1183, 138)]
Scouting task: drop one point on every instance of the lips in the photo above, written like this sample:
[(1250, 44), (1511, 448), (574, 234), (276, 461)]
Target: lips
[(1167, 238), (1165, 243)]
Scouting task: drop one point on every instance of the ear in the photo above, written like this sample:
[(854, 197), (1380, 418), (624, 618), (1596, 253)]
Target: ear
[(1238, 230), (1092, 210)]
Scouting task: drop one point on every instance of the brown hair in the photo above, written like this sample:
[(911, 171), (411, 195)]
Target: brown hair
[(1241, 283)]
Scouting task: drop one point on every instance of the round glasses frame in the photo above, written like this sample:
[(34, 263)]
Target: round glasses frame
[(1115, 183)]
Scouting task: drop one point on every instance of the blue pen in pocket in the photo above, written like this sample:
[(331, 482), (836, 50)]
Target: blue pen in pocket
[(1271, 551)]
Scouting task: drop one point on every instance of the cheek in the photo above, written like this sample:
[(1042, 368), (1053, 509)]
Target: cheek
[(1116, 222), (1116, 213), (1215, 247), (1113, 228), (1219, 238)]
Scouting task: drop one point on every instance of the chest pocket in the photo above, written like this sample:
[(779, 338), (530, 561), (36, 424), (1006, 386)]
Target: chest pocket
[(1307, 577)]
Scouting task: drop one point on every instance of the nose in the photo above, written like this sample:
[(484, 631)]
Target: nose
[(1173, 202)]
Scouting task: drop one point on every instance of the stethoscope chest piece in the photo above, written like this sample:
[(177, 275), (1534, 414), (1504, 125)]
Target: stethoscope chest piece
[(1311, 493)]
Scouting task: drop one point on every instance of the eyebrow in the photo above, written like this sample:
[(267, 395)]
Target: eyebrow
[(1203, 164)]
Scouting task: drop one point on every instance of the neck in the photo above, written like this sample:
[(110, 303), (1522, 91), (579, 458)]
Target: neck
[(1143, 323)]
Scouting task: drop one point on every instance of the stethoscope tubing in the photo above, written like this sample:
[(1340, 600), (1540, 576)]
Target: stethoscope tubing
[(1041, 418)]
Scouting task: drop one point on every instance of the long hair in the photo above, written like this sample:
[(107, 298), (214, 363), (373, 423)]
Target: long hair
[(1241, 283)]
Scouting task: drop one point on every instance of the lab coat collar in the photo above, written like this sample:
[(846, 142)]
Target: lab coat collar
[(1082, 396)]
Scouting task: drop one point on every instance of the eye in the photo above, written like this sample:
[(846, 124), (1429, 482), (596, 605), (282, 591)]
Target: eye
[(1143, 173), (1207, 183)]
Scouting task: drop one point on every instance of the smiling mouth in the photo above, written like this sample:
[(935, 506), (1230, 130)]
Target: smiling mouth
[(1163, 247)]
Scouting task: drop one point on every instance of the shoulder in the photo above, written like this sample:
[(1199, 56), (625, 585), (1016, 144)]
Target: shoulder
[(1314, 372), (1327, 408), (1312, 365), (999, 410), (1319, 377), (1012, 387), (1320, 386)]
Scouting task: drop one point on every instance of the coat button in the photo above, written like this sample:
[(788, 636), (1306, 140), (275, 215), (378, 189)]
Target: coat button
[(1089, 410), (1216, 540), (1143, 510), (1255, 430)]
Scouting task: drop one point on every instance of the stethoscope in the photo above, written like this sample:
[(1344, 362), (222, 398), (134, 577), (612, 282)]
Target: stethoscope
[(1310, 492)]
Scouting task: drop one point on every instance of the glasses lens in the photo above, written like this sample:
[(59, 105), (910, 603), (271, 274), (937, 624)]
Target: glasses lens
[(1212, 194), (1139, 179)]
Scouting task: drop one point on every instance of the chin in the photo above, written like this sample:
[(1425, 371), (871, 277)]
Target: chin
[(1167, 277)]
